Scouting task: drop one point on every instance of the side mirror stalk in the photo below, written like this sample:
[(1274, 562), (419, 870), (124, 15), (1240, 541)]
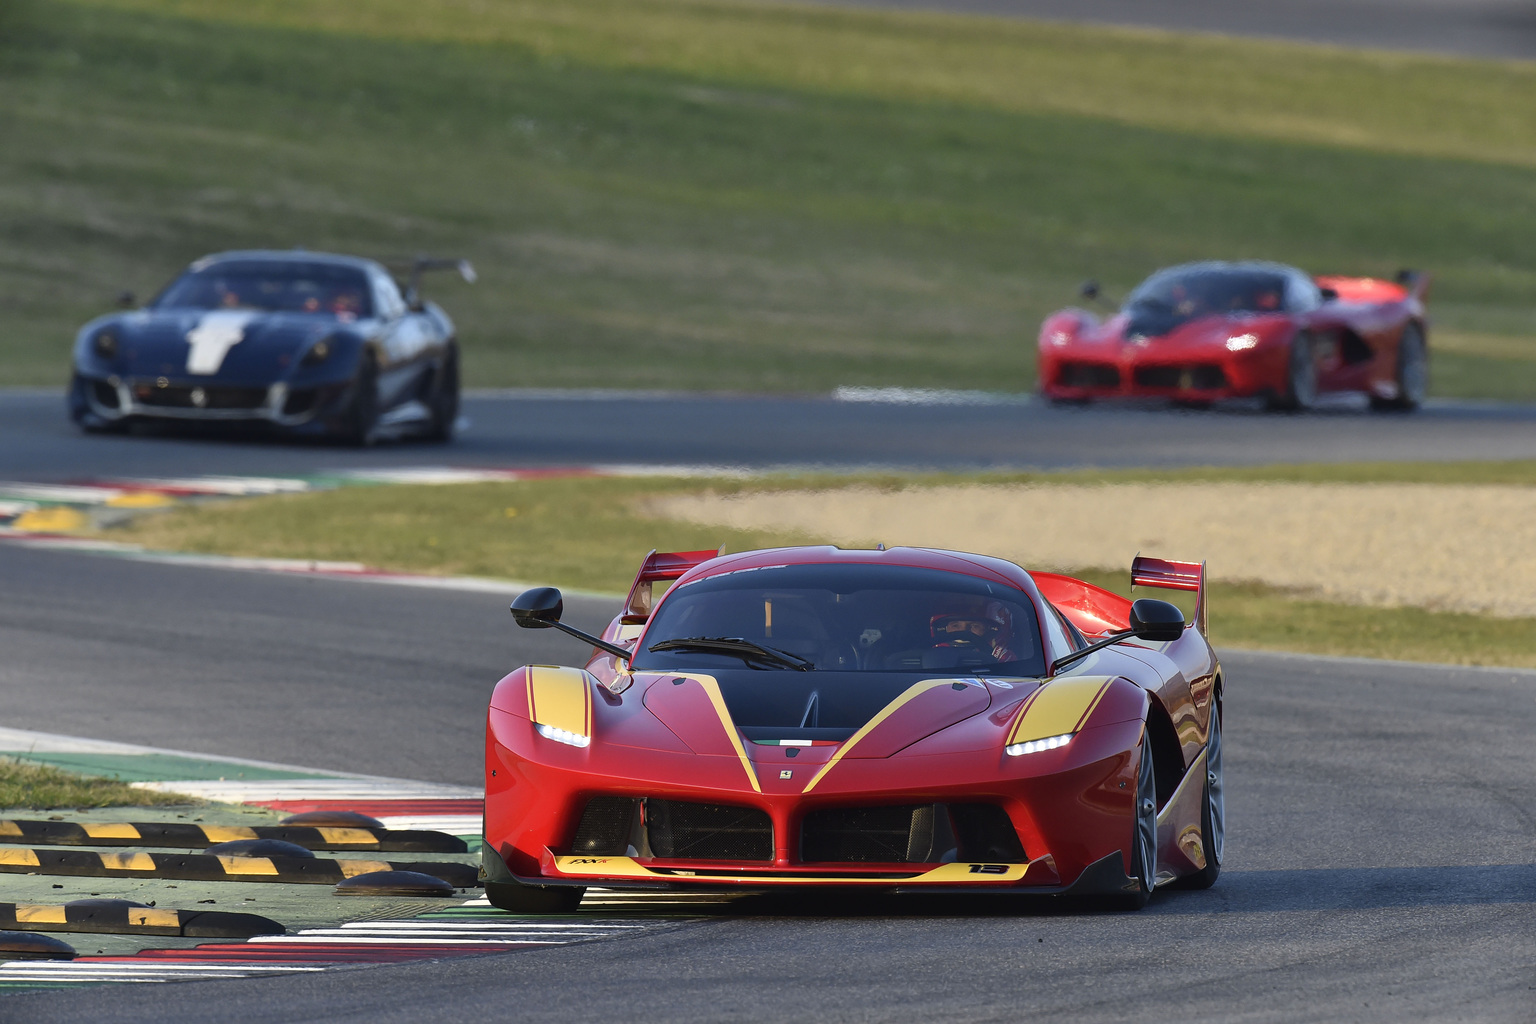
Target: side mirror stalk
[(541, 608), (1158, 621)]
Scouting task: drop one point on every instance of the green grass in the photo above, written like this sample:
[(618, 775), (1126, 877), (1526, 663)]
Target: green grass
[(733, 195), (592, 533), (43, 787)]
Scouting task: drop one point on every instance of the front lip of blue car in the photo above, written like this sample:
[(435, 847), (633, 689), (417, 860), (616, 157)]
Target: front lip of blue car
[(327, 378)]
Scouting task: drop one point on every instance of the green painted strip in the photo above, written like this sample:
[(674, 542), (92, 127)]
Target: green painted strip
[(153, 767)]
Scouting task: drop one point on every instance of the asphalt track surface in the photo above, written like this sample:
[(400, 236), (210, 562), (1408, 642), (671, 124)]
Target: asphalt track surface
[(1380, 859), (1471, 28), (539, 428)]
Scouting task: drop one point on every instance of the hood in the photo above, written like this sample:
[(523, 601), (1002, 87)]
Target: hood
[(219, 345), (886, 711), (1200, 332)]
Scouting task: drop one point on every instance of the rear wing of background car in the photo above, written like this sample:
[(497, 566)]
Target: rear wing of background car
[(658, 567), (1170, 575), (1407, 284)]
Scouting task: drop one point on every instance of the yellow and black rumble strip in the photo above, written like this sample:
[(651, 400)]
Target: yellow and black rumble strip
[(126, 918), (183, 835), (202, 867)]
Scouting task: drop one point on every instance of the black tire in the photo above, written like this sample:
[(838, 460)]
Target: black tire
[(1300, 376), (445, 398), (1143, 830), (517, 898), (361, 413), (1213, 816), (1412, 373)]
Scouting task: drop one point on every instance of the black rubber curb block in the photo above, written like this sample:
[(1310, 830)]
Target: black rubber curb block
[(200, 867), (124, 917), (198, 837)]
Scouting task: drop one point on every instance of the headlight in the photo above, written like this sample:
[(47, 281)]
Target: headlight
[(105, 345), (574, 739), (318, 353), (1033, 746), (1242, 342)]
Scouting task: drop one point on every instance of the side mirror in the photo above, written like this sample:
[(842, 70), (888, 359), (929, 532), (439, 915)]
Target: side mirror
[(1329, 294), (127, 300), (1089, 289), (539, 608), (1156, 620)]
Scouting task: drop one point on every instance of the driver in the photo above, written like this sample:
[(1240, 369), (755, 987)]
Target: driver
[(985, 627)]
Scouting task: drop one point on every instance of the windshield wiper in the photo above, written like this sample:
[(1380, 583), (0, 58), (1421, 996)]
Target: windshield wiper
[(735, 645)]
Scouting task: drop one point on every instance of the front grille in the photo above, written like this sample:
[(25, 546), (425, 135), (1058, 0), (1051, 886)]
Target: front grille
[(869, 834), (197, 396), (607, 822), (106, 394), (1203, 377), (687, 831), (910, 834), (1087, 375)]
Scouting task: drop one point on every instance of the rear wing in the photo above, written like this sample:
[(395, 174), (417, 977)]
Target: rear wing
[(1405, 284), (1169, 575), (658, 567)]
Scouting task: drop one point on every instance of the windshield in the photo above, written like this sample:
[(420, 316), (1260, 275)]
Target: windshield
[(1173, 297), (272, 286), (846, 618)]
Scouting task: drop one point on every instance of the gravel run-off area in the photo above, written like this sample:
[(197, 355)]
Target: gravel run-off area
[(1463, 548)]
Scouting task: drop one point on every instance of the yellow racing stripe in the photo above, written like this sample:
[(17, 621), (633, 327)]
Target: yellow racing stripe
[(911, 693), (560, 698), (712, 687), (1059, 707)]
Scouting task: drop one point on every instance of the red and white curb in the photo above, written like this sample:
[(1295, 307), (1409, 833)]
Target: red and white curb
[(458, 931), (398, 803)]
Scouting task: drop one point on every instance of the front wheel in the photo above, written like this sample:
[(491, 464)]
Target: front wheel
[(1144, 830), (360, 415), (517, 898), (1300, 376), (1213, 816), (445, 398), (1412, 376)]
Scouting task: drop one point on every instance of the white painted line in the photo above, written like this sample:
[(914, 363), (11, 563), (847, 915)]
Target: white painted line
[(333, 788), (927, 396), (460, 825), (363, 940), (477, 925), (83, 495)]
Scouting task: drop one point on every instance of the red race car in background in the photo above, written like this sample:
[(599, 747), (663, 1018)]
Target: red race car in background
[(1201, 332), (907, 720)]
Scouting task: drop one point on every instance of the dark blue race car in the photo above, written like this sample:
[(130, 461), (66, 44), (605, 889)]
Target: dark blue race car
[(306, 343)]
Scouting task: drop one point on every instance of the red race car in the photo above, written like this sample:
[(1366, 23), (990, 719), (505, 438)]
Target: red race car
[(910, 720), (1206, 331)]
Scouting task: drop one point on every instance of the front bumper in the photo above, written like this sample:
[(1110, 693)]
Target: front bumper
[(1196, 375), (1104, 877), (104, 401), (1066, 809)]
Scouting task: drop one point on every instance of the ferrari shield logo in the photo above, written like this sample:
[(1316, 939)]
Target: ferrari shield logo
[(786, 773)]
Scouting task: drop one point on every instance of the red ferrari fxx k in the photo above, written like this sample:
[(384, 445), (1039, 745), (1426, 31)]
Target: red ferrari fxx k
[(904, 719), (1206, 331)]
